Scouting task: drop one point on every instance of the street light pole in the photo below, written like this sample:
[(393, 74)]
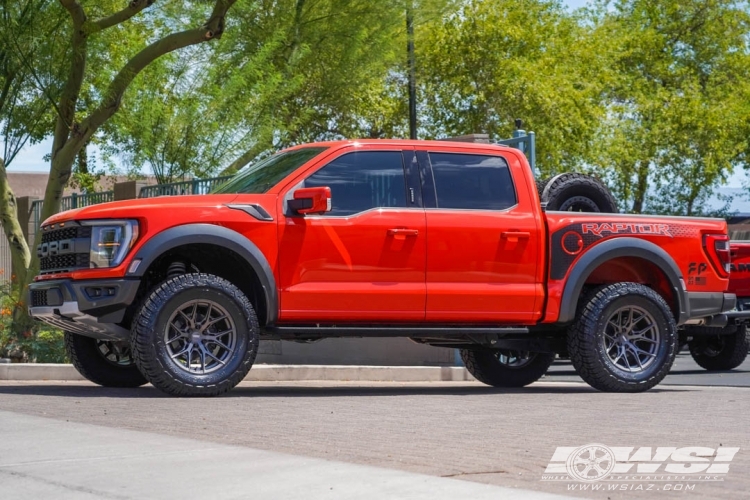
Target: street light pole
[(412, 71)]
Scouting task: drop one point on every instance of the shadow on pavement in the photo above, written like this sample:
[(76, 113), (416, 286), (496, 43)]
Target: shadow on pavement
[(248, 390)]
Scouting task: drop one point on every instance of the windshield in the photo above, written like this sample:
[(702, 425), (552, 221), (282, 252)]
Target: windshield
[(265, 174)]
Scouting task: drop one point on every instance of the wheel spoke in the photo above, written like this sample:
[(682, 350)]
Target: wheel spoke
[(190, 345), (202, 358), (635, 355), (188, 321), (210, 354), (212, 322), (639, 350), (187, 348)]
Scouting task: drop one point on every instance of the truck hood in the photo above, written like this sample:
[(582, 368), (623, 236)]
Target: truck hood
[(152, 207)]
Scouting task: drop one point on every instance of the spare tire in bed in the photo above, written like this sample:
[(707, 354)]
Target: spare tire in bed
[(574, 192)]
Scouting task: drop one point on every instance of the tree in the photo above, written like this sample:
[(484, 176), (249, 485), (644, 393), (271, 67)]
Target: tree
[(28, 73), (491, 61), (674, 126), (75, 125)]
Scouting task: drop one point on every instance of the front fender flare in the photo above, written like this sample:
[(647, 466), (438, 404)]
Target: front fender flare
[(215, 235), (612, 249)]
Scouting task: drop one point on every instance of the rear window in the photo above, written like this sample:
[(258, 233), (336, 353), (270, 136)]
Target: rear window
[(473, 182)]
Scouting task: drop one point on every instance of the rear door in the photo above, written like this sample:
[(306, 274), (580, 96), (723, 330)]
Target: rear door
[(483, 246)]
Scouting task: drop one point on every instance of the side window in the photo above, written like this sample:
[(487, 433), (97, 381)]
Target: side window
[(363, 180), (472, 181)]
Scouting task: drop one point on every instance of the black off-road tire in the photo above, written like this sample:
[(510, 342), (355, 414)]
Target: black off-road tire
[(586, 338), (90, 362), (485, 366), (578, 193), (719, 352), (150, 347), (540, 184)]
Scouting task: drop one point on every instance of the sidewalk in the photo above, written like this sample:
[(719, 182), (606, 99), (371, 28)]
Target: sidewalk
[(56, 459), (281, 373)]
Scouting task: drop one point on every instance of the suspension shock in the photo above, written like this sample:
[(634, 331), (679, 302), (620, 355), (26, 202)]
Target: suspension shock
[(175, 269)]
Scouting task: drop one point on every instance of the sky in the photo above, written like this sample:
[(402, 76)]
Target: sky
[(31, 159)]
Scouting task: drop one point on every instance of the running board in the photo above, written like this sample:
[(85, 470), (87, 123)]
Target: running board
[(437, 331)]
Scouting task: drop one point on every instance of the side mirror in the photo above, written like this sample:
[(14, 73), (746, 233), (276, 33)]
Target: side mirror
[(311, 200)]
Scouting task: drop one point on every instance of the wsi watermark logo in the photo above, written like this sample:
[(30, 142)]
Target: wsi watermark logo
[(644, 468)]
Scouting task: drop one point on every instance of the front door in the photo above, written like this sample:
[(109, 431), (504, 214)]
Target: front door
[(364, 261), (482, 243)]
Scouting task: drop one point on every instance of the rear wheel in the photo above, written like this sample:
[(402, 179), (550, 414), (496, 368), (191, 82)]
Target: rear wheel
[(196, 335), (506, 368), (624, 338), (104, 362), (719, 352)]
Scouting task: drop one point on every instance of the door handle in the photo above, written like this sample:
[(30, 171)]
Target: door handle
[(515, 235), (403, 232)]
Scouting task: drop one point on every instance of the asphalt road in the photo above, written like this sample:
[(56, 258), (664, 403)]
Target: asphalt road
[(684, 372), (456, 430)]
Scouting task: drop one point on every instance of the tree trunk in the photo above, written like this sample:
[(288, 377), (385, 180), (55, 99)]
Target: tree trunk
[(641, 187), (20, 256)]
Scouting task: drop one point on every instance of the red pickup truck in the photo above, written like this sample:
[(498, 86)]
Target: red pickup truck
[(441, 242), (726, 348)]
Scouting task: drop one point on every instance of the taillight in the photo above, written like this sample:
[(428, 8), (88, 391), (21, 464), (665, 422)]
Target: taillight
[(717, 249)]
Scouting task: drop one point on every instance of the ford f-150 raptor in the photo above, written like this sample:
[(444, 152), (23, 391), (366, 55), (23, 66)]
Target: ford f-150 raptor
[(445, 243)]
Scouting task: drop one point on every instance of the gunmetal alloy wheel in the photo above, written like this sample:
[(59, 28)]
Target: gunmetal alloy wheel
[(200, 337), (195, 335), (719, 348), (631, 339), (103, 362), (624, 338), (514, 359), (506, 368), (116, 353)]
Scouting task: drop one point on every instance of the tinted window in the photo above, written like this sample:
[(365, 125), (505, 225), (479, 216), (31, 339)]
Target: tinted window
[(265, 174), (363, 180), (472, 181)]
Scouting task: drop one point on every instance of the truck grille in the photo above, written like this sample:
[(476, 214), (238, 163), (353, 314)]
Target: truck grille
[(57, 249)]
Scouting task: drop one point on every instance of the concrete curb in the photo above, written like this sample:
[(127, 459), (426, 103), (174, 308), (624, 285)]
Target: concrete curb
[(270, 373)]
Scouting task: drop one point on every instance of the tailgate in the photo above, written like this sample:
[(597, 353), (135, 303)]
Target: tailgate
[(739, 277)]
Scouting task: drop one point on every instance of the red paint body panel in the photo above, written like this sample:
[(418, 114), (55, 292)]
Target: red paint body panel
[(739, 277), (353, 268), (482, 264), (680, 237), (400, 265)]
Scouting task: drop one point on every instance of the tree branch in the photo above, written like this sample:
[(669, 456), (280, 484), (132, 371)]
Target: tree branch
[(133, 8), (72, 89), (213, 28)]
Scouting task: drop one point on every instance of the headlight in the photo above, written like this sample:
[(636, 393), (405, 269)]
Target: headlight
[(110, 241)]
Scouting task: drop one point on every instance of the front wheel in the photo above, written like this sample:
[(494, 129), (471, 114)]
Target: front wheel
[(104, 362), (624, 338), (506, 368), (195, 335), (714, 352)]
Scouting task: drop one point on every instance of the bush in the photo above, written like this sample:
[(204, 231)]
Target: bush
[(38, 342)]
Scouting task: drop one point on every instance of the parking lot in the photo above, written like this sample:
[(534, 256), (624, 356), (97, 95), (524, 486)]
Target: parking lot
[(458, 430)]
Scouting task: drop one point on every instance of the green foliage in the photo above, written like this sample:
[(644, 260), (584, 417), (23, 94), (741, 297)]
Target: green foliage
[(677, 107), (38, 344), (492, 61)]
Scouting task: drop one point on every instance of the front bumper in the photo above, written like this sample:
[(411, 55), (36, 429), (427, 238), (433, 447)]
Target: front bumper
[(92, 308), (710, 308)]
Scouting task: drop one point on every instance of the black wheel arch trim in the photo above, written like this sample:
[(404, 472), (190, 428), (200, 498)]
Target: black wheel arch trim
[(612, 249), (215, 235)]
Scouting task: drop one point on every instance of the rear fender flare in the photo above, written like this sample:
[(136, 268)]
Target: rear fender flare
[(214, 235), (612, 249)]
